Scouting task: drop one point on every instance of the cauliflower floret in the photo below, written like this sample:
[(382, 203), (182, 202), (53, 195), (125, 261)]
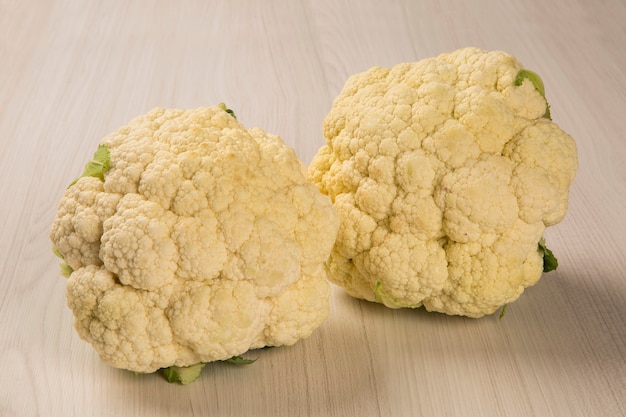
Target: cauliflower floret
[(191, 239), (78, 223), (445, 173)]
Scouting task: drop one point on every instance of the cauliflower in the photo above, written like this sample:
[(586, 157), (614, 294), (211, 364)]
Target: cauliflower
[(445, 173), (191, 239)]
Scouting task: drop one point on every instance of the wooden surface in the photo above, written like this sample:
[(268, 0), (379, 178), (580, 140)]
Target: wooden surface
[(72, 71)]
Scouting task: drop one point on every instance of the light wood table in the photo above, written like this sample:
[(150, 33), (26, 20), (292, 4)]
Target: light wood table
[(73, 71)]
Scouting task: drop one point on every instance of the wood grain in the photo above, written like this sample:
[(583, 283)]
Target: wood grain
[(73, 71)]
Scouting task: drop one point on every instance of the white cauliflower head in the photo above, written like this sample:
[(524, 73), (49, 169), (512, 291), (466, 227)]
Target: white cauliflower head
[(445, 173), (191, 239)]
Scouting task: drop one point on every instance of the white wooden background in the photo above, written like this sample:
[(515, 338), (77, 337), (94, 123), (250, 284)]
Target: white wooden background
[(72, 71)]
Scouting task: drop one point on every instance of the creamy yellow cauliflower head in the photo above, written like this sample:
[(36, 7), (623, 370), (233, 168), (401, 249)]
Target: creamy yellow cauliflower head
[(445, 173), (191, 238)]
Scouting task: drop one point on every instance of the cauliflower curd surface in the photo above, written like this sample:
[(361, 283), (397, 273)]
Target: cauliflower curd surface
[(445, 173), (199, 240)]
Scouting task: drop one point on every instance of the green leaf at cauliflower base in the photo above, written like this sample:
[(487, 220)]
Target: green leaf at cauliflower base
[(382, 297), (239, 360), (100, 164), (550, 263), (182, 374), (503, 311), (187, 374), (537, 82), (65, 269), (227, 110)]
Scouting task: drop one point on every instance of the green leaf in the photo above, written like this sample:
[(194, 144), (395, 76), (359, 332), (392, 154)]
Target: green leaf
[(382, 297), (66, 270), (57, 253), (503, 311), (182, 374), (227, 110), (550, 263), (239, 360), (534, 78), (100, 164), (187, 374)]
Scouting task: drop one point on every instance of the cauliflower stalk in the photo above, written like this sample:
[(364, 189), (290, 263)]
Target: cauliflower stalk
[(445, 173), (189, 239)]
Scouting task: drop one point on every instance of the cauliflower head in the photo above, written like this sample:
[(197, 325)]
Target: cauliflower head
[(190, 239), (445, 173)]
